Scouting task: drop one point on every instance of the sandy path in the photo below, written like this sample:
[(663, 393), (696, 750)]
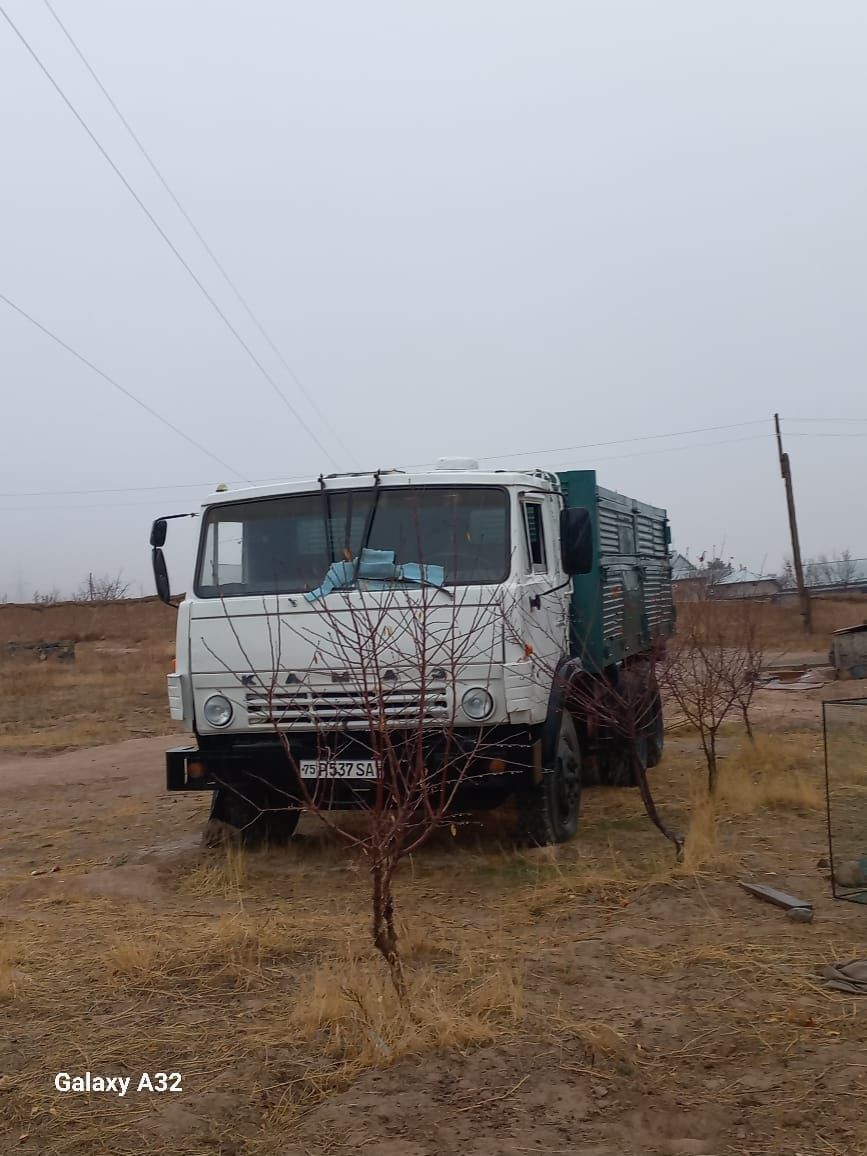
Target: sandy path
[(138, 762)]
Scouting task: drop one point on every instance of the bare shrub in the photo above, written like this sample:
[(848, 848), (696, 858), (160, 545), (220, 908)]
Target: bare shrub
[(710, 670), (46, 598), (103, 588)]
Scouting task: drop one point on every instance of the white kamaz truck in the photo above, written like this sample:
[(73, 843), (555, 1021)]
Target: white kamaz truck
[(458, 602)]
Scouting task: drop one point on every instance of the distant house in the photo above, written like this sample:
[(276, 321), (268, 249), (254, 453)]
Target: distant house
[(746, 584), (688, 582), (841, 574), (682, 568), (840, 577)]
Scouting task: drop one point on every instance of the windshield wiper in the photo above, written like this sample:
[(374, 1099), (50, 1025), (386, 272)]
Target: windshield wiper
[(426, 582)]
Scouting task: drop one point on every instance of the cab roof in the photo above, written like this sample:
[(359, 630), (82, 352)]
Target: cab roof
[(365, 480)]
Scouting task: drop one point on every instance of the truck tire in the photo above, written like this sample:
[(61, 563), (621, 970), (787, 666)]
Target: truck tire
[(549, 809), (242, 815)]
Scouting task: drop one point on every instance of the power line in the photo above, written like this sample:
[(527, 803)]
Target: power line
[(823, 434), (67, 509), (165, 236), (615, 442), (415, 465), (213, 256), (625, 441), (108, 490), (116, 384), (664, 450), (298, 477), (140, 489)]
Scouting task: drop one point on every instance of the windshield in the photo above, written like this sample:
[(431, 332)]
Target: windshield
[(286, 545)]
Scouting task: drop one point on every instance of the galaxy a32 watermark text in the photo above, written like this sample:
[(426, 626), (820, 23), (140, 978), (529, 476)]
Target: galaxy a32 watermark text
[(91, 1082)]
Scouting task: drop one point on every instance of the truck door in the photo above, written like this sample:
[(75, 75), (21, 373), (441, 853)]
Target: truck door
[(542, 606)]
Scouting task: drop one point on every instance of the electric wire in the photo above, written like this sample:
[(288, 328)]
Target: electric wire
[(624, 441), (613, 457), (116, 385), (141, 489), (202, 241), (608, 457), (264, 372)]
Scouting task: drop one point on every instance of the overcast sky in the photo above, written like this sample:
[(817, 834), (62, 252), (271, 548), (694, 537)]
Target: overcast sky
[(473, 227)]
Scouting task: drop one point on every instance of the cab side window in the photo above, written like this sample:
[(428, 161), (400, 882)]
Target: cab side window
[(535, 536)]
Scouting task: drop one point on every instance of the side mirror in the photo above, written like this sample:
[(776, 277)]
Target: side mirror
[(158, 533), (161, 575), (576, 540)]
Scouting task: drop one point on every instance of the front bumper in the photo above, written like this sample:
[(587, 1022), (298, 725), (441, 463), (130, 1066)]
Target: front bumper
[(498, 754)]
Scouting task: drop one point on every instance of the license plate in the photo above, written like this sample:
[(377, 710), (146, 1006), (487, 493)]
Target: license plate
[(338, 769)]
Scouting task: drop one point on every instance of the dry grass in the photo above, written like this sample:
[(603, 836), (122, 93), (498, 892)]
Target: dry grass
[(222, 873), (351, 1009), (233, 951), (779, 773), (780, 623), (109, 693), (702, 853), (135, 620), (253, 973), (783, 772), (113, 690)]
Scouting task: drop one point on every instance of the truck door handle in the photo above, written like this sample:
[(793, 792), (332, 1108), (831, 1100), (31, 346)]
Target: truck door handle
[(535, 601)]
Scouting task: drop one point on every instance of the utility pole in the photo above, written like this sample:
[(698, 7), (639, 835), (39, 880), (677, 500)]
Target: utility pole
[(786, 471)]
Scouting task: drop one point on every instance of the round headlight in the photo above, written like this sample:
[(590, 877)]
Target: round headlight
[(477, 703), (218, 710)]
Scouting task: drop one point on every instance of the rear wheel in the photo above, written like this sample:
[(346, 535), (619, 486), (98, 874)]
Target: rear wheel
[(253, 814), (549, 809)]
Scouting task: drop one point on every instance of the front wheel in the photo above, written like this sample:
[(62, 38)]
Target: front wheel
[(252, 814), (549, 809)]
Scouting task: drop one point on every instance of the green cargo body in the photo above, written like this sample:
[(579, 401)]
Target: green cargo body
[(623, 606)]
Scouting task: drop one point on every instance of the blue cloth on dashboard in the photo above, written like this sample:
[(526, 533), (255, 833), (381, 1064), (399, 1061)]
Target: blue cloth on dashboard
[(377, 569)]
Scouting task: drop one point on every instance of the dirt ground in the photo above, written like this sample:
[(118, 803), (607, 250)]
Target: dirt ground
[(597, 999)]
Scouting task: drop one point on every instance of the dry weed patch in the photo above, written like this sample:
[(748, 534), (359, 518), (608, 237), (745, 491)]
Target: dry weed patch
[(350, 1006), (783, 771)]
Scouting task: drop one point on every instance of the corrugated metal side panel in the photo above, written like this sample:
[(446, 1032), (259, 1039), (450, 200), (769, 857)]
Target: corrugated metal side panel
[(633, 551), (609, 534), (657, 598), (651, 536), (612, 606)]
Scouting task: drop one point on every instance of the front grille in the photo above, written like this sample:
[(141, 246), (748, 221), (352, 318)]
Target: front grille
[(327, 706)]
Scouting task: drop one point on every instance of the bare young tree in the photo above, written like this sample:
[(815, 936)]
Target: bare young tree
[(748, 636), (786, 577), (381, 685), (710, 670), (819, 571), (847, 569)]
